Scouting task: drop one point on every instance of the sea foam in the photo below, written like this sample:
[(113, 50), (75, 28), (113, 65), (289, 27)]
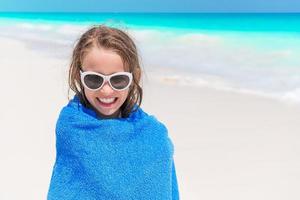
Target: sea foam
[(263, 63)]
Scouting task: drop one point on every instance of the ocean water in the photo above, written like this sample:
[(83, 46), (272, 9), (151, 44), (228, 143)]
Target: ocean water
[(253, 53)]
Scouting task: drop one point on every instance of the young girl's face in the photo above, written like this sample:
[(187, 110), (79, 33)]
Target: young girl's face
[(105, 62)]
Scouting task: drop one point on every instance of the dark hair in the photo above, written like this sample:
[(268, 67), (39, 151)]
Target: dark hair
[(111, 39)]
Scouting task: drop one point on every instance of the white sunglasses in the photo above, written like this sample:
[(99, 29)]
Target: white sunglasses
[(94, 81)]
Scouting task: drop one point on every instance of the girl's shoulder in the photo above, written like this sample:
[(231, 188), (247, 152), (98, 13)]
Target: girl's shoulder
[(76, 111), (153, 120)]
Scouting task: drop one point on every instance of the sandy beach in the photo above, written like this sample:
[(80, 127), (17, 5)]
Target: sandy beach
[(228, 145)]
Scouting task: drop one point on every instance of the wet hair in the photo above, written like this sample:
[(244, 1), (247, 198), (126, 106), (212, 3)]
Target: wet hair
[(118, 41)]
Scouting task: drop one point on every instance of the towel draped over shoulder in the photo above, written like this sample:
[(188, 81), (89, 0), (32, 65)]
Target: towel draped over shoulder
[(111, 159)]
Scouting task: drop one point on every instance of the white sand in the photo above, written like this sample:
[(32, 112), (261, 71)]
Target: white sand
[(227, 145)]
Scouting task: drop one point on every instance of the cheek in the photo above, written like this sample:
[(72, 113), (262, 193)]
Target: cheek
[(124, 95), (88, 94)]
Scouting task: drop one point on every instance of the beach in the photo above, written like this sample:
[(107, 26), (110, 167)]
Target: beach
[(228, 144)]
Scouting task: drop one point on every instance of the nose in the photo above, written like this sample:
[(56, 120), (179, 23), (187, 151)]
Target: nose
[(106, 89)]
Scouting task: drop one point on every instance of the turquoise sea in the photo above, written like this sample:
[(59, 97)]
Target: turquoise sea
[(251, 52), (271, 22)]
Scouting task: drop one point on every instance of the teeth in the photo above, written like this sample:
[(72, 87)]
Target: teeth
[(107, 100)]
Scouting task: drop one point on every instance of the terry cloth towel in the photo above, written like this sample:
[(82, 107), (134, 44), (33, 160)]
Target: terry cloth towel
[(111, 159)]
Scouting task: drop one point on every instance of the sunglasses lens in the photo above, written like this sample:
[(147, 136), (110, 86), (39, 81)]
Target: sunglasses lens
[(119, 81), (93, 81)]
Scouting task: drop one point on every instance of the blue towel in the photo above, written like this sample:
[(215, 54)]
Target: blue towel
[(111, 159)]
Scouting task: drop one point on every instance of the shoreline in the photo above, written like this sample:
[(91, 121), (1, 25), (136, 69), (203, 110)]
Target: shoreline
[(218, 84), (247, 64)]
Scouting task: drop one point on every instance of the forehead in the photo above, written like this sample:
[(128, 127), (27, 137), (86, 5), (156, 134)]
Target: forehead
[(104, 61)]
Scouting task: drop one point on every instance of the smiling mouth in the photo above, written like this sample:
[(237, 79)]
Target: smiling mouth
[(107, 102)]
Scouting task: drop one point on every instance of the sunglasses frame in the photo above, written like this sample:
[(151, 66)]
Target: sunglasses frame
[(106, 78)]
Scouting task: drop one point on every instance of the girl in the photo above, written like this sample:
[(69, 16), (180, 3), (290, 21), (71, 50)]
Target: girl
[(107, 147)]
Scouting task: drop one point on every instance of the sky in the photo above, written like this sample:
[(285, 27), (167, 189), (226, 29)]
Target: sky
[(150, 5)]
